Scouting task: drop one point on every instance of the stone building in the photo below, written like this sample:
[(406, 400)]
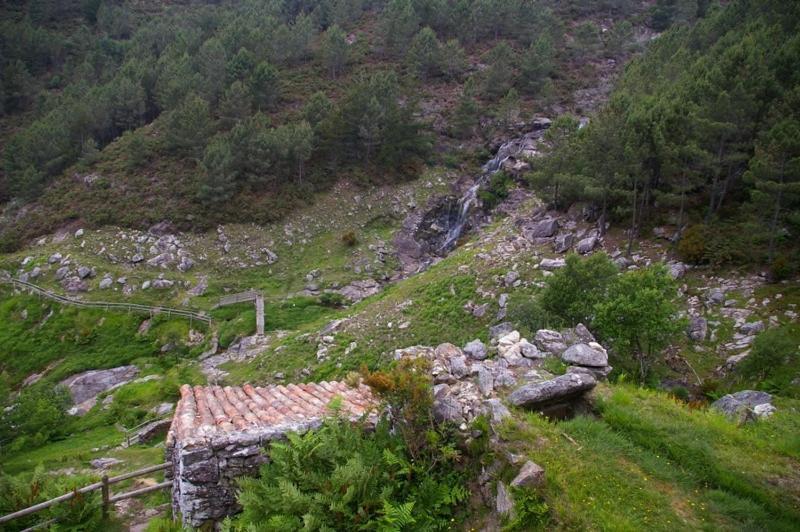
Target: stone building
[(219, 434)]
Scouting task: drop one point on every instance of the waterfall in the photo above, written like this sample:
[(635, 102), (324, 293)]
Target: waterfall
[(470, 198)]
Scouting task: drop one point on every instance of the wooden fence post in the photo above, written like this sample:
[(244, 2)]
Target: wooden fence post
[(106, 496)]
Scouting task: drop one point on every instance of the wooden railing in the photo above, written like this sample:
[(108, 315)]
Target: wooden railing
[(241, 297), (129, 307), (104, 486)]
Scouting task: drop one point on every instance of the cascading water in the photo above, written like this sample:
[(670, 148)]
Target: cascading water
[(469, 200)]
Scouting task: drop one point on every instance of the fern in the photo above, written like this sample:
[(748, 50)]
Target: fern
[(396, 517)]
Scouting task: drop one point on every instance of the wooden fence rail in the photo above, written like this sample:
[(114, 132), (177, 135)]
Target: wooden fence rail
[(104, 487), (107, 305)]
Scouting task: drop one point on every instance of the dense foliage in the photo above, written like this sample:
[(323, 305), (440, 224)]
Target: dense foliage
[(632, 312), (219, 100), (703, 128), (403, 475)]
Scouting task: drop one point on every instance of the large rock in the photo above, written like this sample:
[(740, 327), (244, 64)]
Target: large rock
[(676, 269), (358, 290), (543, 229), (84, 387), (591, 354), (495, 410), (716, 296), (476, 350), (504, 504), (552, 264), (550, 341), (587, 245), (74, 284), (746, 401), (447, 408), (562, 387), (85, 272), (530, 476), (563, 242), (501, 329), (698, 328), (751, 328)]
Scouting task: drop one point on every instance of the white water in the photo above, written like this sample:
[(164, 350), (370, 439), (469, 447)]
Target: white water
[(469, 200)]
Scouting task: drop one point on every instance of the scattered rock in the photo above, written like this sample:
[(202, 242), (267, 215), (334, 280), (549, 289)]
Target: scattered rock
[(35, 272), (104, 463), (505, 503), (586, 355), (550, 341), (676, 269), (74, 284), (587, 245), (552, 264), (85, 272), (358, 290), (698, 328), (751, 328), (79, 233), (510, 278), (62, 272), (565, 386), (84, 387), (733, 405), (55, 257), (106, 282), (447, 408), (530, 476), (495, 410), (185, 264), (543, 229), (716, 297), (162, 284), (501, 329), (476, 350), (563, 242), (528, 350)]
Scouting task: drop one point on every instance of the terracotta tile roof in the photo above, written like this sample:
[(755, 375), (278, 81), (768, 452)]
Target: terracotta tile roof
[(217, 412)]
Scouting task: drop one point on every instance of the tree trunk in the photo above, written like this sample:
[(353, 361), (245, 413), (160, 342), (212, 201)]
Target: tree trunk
[(633, 219)]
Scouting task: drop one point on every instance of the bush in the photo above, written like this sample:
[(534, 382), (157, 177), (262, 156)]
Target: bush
[(692, 245), (496, 191), (332, 300), (528, 315), (774, 362), (83, 512), (780, 269), (572, 292), (638, 317), (36, 417), (349, 239)]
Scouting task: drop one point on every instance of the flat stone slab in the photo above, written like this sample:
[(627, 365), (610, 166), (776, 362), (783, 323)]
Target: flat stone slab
[(562, 387)]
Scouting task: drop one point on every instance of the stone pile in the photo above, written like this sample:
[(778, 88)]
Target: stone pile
[(467, 382)]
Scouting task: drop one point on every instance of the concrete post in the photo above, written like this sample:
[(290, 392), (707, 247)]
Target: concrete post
[(260, 315)]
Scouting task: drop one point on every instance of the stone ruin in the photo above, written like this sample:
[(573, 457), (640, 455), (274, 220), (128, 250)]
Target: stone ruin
[(219, 434)]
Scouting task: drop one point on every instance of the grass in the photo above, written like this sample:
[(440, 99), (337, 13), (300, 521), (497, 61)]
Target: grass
[(649, 462)]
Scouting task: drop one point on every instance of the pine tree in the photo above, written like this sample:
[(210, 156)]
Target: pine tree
[(334, 50), (500, 74), (188, 126), (536, 66), (400, 23), (317, 108), (265, 86), (465, 117), (235, 104), (212, 61), (508, 110), (775, 172), (424, 54), (454, 60)]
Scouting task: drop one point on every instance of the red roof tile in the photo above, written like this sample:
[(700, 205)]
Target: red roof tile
[(212, 411)]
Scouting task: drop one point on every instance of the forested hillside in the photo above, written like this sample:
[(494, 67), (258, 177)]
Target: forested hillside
[(702, 133), (236, 111)]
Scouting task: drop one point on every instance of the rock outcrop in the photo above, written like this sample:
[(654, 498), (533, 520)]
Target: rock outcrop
[(85, 387), (561, 388)]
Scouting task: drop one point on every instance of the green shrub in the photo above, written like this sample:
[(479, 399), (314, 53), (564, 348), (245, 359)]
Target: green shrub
[(638, 318), (528, 315), (692, 245), (350, 239), (82, 512), (531, 512), (780, 269), (572, 292), (344, 477), (332, 300), (774, 361), (36, 417), (496, 191)]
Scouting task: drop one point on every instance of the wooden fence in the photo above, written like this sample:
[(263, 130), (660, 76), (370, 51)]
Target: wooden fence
[(241, 297), (104, 486), (129, 307)]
